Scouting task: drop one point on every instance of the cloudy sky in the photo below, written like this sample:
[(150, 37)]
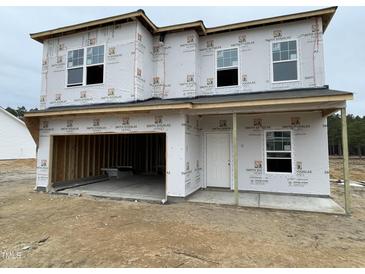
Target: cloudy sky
[(20, 56)]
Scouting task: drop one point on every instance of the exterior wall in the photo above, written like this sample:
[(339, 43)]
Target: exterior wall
[(119, 67), (310, 156), (186, 148), (254, 53), (138, 66), (144, 63), (175, 65), (15, 139), (172, 125)]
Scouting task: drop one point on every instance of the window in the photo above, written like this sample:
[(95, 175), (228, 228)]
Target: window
[(227, 67), (75, 63), (95, 65), (92, 70), (285, 61), (278, 151)]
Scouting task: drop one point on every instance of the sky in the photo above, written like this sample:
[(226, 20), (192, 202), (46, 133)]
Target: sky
[(20, 70)]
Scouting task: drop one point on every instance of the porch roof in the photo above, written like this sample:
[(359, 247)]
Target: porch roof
[(319, 96)]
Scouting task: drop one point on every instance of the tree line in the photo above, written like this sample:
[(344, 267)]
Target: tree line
[(355, 133), (19, 111), (355, 130)]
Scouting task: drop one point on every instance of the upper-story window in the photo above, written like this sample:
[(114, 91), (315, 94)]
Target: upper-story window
[(81, 73), (75, 63), (285, 61), (227, 67), (95, 65)]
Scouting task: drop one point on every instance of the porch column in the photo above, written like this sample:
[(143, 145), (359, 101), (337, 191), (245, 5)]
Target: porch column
[(345, 151), (235, 158)]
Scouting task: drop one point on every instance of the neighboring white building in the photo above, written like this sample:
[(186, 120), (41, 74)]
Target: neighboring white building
[(15, 139), (182, 100)]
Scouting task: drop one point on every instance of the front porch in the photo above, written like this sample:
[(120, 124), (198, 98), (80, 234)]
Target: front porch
[(268, 201), (291, 176)]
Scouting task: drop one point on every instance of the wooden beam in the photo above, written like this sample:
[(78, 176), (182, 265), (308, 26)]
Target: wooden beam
[(109, 110), (345, 151), (88, 155), (193, 106), (93, 153), (50, 162), (64, 176), (326, 112), (55, 159), (271, 102), (103, 165), (235, 158), (83, 156), (33, 127), (71, 157)]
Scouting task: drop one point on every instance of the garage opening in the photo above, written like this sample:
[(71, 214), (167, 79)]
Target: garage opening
[(130, 166)]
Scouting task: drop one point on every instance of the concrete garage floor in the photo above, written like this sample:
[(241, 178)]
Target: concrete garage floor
[(267, 200), (136, 187), (152, 188)]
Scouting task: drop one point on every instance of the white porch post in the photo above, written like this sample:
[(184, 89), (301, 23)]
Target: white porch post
[(235, 158), (345, 151)]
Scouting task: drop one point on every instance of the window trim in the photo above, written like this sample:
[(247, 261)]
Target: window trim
[(75, 85), (291, 152), (272, 62), (84, 66), (225, 68)]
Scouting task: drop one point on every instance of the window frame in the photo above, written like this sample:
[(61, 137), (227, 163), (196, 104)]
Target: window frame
[(238, 67), (272, 62), (291, 152), (84, 67), (80, 66)]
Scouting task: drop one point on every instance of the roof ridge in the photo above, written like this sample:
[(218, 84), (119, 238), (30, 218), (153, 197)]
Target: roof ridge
[(326, 13)]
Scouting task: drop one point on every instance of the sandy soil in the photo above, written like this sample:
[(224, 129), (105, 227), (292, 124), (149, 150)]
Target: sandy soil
[(43, 230), (357, 168), (11, 170)]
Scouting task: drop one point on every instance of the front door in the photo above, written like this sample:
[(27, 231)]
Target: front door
[(218, 159)]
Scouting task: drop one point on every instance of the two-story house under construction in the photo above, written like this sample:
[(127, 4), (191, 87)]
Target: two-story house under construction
[(153, 112)]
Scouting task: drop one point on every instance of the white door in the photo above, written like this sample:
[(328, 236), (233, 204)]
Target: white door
[(218, 160)]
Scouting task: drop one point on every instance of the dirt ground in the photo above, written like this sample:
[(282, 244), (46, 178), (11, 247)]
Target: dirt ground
[(357, 168), (43, 230)]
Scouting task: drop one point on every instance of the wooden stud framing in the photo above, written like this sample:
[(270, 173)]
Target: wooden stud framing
[(81, 156), (65, 159)]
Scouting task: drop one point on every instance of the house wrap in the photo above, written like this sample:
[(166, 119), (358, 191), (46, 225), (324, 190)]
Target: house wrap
[(181, 101)]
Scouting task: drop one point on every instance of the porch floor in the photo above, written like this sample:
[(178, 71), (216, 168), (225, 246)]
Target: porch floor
[(268, 200), (134, 187)]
